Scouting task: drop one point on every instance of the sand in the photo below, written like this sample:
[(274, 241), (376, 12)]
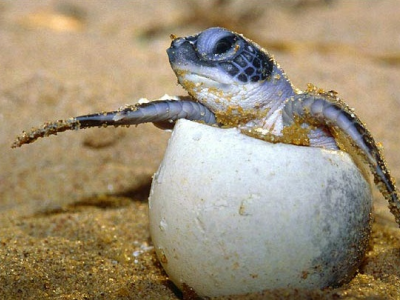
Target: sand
[(73, 208)]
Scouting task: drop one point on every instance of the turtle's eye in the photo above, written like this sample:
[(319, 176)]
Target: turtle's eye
[(224, 45), (217, 44)]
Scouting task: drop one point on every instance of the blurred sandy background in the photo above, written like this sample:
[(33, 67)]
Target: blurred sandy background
[(73, 208)]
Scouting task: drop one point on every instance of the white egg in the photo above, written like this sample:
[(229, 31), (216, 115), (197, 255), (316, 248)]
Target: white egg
[(230, 214)]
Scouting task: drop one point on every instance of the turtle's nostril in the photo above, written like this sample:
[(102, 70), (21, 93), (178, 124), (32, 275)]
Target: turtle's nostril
[(176, 43)]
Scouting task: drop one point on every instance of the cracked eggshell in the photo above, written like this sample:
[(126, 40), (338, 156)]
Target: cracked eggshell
[(230, 214)]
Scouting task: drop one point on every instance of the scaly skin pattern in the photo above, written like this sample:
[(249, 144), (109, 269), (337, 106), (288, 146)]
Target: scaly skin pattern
[(233, 82), (162, 113)]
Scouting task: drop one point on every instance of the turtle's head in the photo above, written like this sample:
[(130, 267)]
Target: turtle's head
[(228, 73)]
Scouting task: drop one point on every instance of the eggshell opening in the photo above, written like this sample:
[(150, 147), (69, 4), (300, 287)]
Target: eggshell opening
[(230, 214)]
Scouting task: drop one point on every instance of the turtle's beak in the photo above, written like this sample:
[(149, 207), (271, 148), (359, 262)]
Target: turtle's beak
[(181, 52)]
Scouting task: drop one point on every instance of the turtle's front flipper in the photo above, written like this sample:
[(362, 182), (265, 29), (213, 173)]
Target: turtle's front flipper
[(162, 112), (326, 109)]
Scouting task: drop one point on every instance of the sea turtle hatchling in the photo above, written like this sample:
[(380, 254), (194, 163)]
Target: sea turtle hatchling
[(233, 82)]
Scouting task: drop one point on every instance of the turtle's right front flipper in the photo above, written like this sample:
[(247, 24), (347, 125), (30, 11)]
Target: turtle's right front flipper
[(163, 113)]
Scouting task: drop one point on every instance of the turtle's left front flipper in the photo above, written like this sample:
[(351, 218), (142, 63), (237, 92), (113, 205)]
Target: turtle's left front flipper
[(162, 113), (327, 110)]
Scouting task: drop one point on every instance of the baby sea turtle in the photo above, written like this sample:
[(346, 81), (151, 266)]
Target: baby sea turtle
[(233, 82)]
